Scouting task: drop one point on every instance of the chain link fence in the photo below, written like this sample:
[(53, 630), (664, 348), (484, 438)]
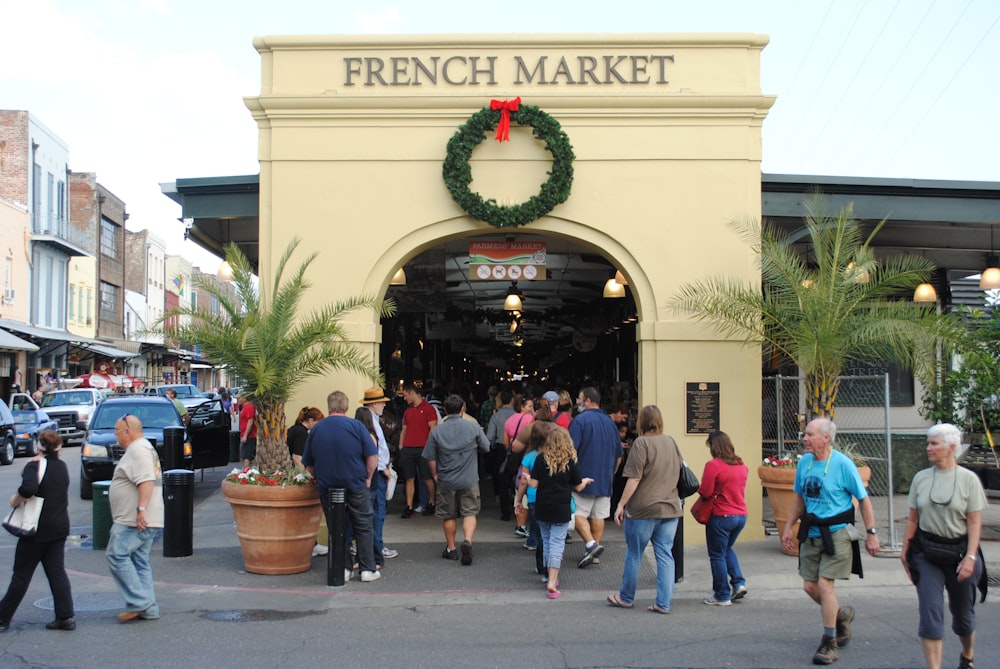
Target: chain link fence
[(863, 430)]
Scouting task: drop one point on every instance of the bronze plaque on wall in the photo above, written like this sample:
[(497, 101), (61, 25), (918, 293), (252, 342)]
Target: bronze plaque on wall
[(702, 403)]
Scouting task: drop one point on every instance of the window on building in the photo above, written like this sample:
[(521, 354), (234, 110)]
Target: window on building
[(109, 238), (109, 301), (61, 202), (90, 302), (72, 302), (79, 305), (50, 209)]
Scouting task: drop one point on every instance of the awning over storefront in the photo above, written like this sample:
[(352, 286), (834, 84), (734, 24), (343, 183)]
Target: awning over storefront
[(9, 342), (101, 348)]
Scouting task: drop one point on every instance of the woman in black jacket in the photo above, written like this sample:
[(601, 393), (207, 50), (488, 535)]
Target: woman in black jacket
[(48, 546)]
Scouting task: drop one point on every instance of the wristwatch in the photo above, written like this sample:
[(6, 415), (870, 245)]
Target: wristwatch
[(871, 530), (139, 508)]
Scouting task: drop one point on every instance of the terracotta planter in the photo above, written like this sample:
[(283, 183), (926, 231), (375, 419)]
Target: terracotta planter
[(276, 525), (780, 484)]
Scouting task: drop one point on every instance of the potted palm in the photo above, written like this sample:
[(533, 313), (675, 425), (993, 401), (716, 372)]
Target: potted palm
[(840, 304), (262, 337)]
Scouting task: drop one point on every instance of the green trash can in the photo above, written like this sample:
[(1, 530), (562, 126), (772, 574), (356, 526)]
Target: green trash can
[(101, 514)]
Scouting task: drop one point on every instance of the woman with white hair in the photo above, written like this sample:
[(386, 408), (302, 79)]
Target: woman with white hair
[(941, 546)]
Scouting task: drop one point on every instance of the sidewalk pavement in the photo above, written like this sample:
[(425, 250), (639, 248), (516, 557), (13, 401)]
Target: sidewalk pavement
[(502, 569)]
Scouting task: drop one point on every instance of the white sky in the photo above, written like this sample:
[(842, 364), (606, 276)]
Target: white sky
[(148, 91)]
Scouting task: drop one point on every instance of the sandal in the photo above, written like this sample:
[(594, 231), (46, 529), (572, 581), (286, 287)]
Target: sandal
[(615, 600), (653, 608), (554, 594)]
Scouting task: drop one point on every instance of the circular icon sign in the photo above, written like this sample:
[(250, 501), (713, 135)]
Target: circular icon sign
[(483, 272), (530, 272), (499, 272), (514, 272)]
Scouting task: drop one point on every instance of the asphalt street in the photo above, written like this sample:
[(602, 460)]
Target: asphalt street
[(429, 612)]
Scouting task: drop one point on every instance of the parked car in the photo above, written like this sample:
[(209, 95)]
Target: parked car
[(72, 409), (206, 439), (7, 435), (29, 421), (189, 395)]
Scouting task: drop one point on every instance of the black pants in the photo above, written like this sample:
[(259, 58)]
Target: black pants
[(26, 557)]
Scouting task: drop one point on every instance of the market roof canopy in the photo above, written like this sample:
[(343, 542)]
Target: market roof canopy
[(11, 342)]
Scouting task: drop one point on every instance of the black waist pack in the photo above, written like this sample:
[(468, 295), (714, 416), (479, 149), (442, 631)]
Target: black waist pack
[(941, 550)]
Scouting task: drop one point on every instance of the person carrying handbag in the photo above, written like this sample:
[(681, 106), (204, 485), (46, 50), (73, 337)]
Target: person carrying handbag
[(725, 482), (48, 545)]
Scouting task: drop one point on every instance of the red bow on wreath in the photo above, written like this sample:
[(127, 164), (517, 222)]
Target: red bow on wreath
[(505, 107)]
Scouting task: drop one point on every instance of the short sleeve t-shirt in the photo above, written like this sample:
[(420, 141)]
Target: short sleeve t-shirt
[(554, 492), (338, 448), (945, 498), (528, 461), (247, 415), (417, 420), (140, 463), (828, 487), (655, 461)]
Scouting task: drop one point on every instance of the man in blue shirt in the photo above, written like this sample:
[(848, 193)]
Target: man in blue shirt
[(598, 452), (826, 482), (340, 453)]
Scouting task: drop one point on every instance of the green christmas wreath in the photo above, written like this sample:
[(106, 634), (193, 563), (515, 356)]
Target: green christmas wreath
[(458, 173)]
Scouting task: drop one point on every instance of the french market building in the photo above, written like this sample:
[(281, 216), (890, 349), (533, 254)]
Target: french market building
[(665, 134)]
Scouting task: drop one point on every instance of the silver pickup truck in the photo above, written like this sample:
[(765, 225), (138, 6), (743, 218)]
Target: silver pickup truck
[(73, 410)]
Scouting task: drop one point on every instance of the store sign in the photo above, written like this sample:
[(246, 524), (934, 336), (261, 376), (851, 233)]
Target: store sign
[(506, 261), (640, 69)]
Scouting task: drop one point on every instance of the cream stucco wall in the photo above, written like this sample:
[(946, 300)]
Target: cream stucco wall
[(663, 162)]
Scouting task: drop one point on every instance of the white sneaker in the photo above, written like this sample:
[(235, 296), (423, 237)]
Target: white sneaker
[(347, 575), (389, 553), (418, 509), (320, 549), (712, 601), (369, 576)]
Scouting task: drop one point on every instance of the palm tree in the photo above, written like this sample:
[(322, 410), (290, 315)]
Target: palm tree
[(842, 307), (265, 341)]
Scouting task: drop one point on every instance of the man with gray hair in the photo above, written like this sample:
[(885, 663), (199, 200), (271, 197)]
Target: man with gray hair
[(340, 453), (826, 483), (452, 452)]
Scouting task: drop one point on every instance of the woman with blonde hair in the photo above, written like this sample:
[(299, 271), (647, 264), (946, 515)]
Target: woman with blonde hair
[(555, 475)]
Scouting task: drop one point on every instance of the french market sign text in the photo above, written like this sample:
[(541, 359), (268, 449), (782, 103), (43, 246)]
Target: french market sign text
[(480, 70)]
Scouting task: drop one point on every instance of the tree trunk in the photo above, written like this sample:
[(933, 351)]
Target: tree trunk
[(821, 394), (272, 446)]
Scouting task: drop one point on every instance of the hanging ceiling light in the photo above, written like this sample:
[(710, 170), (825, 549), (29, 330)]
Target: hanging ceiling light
[(513, 300), (925, 293), (399, 278), (225, 271), (620, 278), (613, 289)]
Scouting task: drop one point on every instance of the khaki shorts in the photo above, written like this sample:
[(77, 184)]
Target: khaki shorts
[(813, 562), (451, 504), (590, 506)]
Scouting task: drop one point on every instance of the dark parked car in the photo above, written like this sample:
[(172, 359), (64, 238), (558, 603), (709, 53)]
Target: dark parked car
[(6, 435), (206, 440), (29, 422)]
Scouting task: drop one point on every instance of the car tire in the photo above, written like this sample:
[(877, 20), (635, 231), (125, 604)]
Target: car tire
[(7, 453), (86, 486), (35, 446)]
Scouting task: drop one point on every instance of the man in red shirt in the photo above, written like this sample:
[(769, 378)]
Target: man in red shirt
[(418, 420), (248, 431)]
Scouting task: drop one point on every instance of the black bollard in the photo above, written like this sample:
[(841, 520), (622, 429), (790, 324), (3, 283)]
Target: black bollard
[(678, 549), (178, 513), (173, 448), (336, 523)]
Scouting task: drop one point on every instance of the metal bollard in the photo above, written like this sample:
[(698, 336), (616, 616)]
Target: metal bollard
[(178, 513), (173, 448), (336, 523), (678, 549)]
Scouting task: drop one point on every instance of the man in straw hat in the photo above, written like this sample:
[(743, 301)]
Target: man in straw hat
[(375, 401)]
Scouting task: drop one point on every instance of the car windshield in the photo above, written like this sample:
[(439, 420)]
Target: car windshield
[(26, 418), (66, 399), (151, 415), (184, 391)]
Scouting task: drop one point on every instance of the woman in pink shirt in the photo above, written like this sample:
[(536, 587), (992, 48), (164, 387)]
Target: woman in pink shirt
[(725, 479)]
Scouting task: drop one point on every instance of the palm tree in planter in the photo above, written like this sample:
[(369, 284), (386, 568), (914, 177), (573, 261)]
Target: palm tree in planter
[(263, 339), (844, 306)]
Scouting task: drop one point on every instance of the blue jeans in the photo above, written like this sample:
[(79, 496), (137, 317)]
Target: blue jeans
[(535, 537), (379, 485), (128, 557), (638, 533), (553, 542), (720, 535)]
